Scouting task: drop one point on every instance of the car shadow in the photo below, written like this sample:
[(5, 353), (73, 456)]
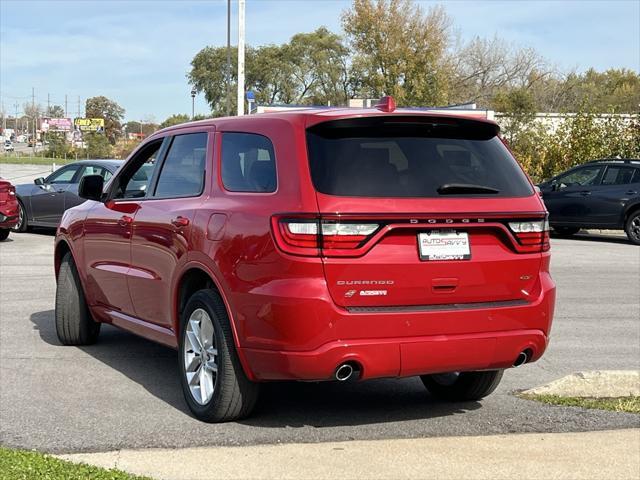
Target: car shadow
[(281, 404), (594, 237)]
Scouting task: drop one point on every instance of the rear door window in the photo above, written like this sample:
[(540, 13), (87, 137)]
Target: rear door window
[(618, 175), (248, 163), (412, 157), (183, 169)]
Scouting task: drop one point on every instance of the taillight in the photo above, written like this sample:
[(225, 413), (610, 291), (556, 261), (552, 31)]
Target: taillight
[(532, 235), (306, 236)]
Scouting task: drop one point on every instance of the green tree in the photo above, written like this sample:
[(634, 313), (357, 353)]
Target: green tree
[(140, 127), (102, 107), (175, 120), (400, 50), (313, 68), (55, 111), (97, 145), (58, 145)]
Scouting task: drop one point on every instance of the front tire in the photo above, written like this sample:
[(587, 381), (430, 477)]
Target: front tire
[(213, 382), (632, 227), (4, 234), (462, 386), (74, 324)]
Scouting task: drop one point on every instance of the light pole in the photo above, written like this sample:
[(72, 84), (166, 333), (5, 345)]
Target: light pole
[(193, 103)]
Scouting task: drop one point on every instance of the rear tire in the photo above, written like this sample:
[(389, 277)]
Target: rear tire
[(632, 227), (213, 381), (566, 231), (462, 386), (4, 234), (22, 224), (74, 324)]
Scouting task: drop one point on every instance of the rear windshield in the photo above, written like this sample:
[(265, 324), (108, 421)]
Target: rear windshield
[(412, 157)]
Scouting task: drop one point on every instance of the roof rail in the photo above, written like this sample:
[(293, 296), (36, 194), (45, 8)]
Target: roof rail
[(618, 160)]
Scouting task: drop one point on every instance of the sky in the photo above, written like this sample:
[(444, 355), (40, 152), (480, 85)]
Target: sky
[(139, 52)]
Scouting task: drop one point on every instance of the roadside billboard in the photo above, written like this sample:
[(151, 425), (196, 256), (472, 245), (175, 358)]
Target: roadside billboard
[(89, 124), (56, 125)]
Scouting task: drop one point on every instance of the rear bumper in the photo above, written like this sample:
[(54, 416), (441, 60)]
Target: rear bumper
[(400, 357), (8, 215), (500, 334)]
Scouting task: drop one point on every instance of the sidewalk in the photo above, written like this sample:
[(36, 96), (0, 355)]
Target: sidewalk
[(590, 455)]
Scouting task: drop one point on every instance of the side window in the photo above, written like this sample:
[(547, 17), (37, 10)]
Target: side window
[(64, 175), (91, 170), (618, 175), (136, 176), (182, 173), (248, 163), (585, 176), (636, 176)]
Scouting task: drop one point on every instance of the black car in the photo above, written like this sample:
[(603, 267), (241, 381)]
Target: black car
[(43, 202), (598, 194)]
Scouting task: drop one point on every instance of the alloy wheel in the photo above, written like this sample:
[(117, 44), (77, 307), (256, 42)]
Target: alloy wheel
[(18, 226), (200, 356), (634, 228)]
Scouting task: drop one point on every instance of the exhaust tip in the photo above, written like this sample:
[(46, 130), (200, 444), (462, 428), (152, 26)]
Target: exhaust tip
[(523, 357), (344, 372)]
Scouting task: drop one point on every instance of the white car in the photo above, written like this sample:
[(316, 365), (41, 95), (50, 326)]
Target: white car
[(8, 146)]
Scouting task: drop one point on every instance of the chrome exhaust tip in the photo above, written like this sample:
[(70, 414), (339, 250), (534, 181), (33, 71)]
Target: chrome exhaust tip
[(344, 372), (523, 357)]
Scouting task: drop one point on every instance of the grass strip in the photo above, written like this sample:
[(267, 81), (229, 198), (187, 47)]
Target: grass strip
[(36, 160), (617, 404), (28, 465)]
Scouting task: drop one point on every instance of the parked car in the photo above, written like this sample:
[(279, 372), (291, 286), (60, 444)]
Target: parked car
[(8, 146), (314, 245), (8, 208), (599, 194), (43, 202)]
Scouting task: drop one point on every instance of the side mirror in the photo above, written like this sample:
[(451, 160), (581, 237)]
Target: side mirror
[(39, 181), (90, 187)]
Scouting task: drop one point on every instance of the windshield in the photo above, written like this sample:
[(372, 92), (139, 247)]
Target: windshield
[(412, 157)]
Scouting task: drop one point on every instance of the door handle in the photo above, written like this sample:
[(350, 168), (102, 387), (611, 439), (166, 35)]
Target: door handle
[(180, 222), (630, 192), (585, 193), (125, 220)]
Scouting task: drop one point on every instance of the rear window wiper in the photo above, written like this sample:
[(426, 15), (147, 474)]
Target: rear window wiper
[(455, 188)]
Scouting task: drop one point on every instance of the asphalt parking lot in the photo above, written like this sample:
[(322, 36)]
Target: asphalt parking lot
[(124, 391)]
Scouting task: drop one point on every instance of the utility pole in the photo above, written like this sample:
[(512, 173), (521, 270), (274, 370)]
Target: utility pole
[(241, 57), (228, 72), (79, 106), (65, 105), (33, 112), (48, 104), (16, 119)]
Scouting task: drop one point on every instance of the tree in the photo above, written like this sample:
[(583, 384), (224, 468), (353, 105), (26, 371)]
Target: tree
[(318, 65), (140, 127), (400, 50), (98, 145), (58, 145), (32, 110), (483, 67), (55, 111), (175, 120), (102, 107), (313, 68)]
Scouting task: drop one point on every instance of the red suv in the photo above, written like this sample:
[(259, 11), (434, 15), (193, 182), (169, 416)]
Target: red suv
[(8, 208), (314, 245)]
